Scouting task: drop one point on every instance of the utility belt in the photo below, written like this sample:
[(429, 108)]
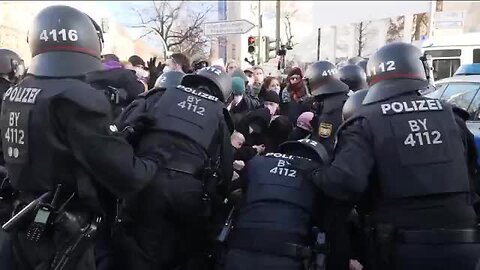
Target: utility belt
[(382, 239), (273, 242), (45, 216)]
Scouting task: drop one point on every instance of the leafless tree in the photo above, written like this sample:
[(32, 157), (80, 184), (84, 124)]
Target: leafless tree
[(396, 29), (362, 30), (180, 27), (288, 28), (420, 26)]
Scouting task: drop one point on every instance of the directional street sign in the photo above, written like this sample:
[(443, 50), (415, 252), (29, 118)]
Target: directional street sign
[(223, 28)]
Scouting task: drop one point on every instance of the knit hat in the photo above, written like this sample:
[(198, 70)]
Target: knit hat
[(271, 96), (238, 72), (304, 120), (238, 86)]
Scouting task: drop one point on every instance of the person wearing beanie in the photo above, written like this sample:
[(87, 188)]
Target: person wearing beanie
[(271, 101), (248, 85), (294, 99), (242, 103), (303, 128)]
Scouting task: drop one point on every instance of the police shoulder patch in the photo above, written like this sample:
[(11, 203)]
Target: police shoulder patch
[(325, 130)]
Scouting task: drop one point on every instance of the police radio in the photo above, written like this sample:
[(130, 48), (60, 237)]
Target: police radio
[(42, 218)]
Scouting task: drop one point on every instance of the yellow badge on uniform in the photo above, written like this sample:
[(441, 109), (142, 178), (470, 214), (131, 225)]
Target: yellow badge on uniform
[(325, 130)]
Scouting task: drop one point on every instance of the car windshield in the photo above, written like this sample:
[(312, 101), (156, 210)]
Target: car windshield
[(461, 94)]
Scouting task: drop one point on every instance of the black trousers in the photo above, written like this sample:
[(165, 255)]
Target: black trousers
[(435, 257), (169, 227), (237, 259)]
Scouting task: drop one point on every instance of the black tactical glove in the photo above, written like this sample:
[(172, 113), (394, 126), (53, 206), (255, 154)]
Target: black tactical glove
[(154, 70)]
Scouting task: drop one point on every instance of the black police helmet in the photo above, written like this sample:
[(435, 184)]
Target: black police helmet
[(363, 65), (394, 69), (321, 79), (199, 64), (353, 76), (217, 82), (11, 64), (64, 42), (305, 148), (355, 60), (353, 104), (169, 79)]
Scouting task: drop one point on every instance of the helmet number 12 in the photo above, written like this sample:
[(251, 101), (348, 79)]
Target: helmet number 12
[(62, 35), (383, 67)]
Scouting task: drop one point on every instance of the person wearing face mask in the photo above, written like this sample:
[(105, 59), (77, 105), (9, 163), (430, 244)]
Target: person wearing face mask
[(241, 103), (271, 101), (294, 99), (270, 84), (138, 65)]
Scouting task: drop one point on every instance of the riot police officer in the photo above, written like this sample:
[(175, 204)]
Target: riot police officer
[(353, 76), (404, 154), (355, 60), (353, 104), (11, 69), (59, 150), (363, 65), (330, 94), (275, 220), (140, 106), (171, 219), (119, 84)]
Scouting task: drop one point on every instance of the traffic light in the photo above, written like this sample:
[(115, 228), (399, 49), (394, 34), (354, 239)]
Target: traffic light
[(252, 42), (270, 46)]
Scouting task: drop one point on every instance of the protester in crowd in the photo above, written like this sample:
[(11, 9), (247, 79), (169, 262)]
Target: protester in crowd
[(138, 65), (178, 62), (249, 73), (258, 77), (270, 84), (303, 127), (242, 103), (292, 98), (271, 101), (231, 67), (241, 74), (277, 132)]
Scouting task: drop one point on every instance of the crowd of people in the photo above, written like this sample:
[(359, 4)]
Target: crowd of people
[(182, 165)]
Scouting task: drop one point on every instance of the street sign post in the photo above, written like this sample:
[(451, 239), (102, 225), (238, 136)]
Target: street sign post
[(223, 28)]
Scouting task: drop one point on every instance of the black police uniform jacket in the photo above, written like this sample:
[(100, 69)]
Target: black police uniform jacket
[(278, 203), (328, 119), (408, 151), (122, 79), (57, 131)]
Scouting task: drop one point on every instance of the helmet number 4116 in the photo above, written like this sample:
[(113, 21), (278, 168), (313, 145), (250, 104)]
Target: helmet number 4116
[(62, 35)]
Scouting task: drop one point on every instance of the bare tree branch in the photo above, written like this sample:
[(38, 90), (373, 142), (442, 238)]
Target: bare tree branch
[(180, 28)]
